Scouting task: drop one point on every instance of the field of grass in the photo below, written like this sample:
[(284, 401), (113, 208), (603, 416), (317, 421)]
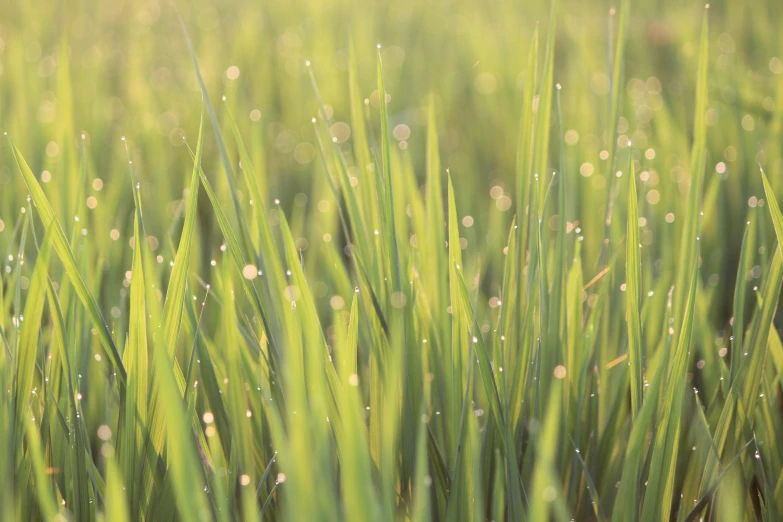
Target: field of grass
[(517, 261)]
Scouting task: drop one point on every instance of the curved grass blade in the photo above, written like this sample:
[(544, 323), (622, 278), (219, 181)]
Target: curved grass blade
[(60, 244)]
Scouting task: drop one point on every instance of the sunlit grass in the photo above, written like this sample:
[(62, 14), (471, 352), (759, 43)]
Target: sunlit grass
[(293, 274)]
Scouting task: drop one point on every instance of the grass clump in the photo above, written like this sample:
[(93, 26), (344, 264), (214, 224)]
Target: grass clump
[(380, 341)]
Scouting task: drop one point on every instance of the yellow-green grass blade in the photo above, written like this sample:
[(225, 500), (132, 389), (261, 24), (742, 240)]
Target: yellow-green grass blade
[(433, 247), (544, 106), (171, 317), (357, 210), (387, 205), (524, 159), (45, 494), (227, 169), (183, 461), (484, 364), (135, 358), (361, 148), (740, 289), (616, 88), (79, 486), (234, 392), (269, 262), (627, 503), (421, 484), (175, 295), (116, 501), (546, 501), (29, 333), (457, 361), (239, 260), (632, 293), (357, 227), (663, 467), (615, 67), (353, 445), (60, 245), (687, 253), (553, 268)]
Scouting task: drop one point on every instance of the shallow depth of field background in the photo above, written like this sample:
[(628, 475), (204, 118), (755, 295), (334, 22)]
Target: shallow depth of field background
[(131, 75), (88, 86)]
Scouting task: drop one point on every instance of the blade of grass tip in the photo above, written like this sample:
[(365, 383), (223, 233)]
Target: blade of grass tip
[(194, 345), (738, 326), (506, 322), (268, 264), (268, 500), (436, 239), (78, 197), (228, 170), (388, 206), (698, 158), (544, 107), (751, 369), (239, 260), (524, 148), (460, 346), (173, 306), (60, 244), (364, 277), (175, 295), (235, 396), (774, 208), (361, 218), (357, 225), (265, 475), (361, 147), (633, 291), (616, 83), (557, 317), (135, 186), (485, 367)]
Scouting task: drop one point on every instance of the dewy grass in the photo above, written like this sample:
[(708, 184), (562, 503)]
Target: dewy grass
[(517, 262)]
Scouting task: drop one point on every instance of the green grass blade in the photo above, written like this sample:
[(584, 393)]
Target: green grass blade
[(632, 293), (60, 244)]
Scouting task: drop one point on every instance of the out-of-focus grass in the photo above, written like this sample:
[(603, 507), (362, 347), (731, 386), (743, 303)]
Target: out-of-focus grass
[(535, 279)]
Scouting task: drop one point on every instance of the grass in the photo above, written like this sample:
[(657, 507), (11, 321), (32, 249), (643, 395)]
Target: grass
[(521, 262)]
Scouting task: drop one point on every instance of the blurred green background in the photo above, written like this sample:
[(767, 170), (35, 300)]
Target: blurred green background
[(132, 76)]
